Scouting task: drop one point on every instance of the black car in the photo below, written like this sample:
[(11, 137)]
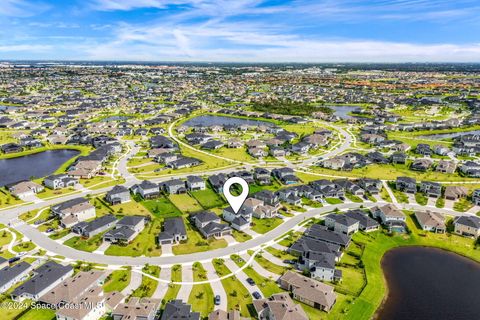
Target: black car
[(217, 300), (250, 281), (256, 295), (289, 261)]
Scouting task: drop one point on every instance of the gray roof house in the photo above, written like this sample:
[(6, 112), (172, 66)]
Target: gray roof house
[(174, 186), (173, 231), (94, 227), (146, 189), (195, 183), (177, 309), (10, 275), (126, 229), (467, 226), (208, 223), (45, 278), (118, 195), (320, 232), (341, 223)]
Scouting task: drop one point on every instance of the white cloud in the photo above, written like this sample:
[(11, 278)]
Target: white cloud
[(21, 8), (25, 48)]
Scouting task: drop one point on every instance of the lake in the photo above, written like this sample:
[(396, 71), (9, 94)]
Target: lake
[(38, 165), (428, 283), (343, 111), (441, 136), (210, 120)]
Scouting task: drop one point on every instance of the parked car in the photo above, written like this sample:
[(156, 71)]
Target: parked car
[(217, 300), (49, 230), (289, 261), (256, 295), (250, 281)]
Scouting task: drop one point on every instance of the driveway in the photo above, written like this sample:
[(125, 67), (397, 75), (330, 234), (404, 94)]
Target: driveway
[(167, 250), (241, 276), (259, 269), (104, 246), (230, 239), (217, 286), (165, 274), (187, 276), (135, 282)]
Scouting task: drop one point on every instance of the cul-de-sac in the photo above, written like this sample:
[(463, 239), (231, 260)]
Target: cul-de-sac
[(112, 203)]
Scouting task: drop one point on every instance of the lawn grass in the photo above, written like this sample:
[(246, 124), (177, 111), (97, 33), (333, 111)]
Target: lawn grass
[(185, 203), (462, 205), (284, 255), (173, 289), (333, 200), (440, 203), (265, 225), (400, 196), (268, 265), (7, 200), (89, 245), (196, 243), (38, 314), (201, 297), (421, 198), (9, 312), (24, 246), (385, 195), (148, 285), (143, 245), (161, 208), (353, 198), (238, 297), (241, 236), (117, 280), (208, 198)]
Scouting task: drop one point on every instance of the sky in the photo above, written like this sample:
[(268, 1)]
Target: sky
[(241, 30)]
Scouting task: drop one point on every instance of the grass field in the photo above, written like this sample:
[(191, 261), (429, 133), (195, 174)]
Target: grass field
[(201, 296), (238, 296), (264, 225), (173, 288), (117, 280), (144, 244), (91, 244), (208, 198), (268, 265), (148, 285), (196, 243), (161, 207), (38, 314), (185, 203)]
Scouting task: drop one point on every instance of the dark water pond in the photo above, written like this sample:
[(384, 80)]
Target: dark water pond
[(441, 136), (37, 165), (343, 111), (427, 283), (209, 120)]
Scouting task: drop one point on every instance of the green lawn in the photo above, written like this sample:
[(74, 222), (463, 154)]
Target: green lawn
[(462, 205), (333, 200), (144, 244), (265, 225), (237, 295), (173, 288), (196, 243), (185, 203), (201, 296), (208, 198), (268, 265), (38, 314), (241, 236), (7, 200), (353, 198), (284, 255), (91, 244), (421, 198), (148, 285), (117, 280), (161, 207), (24, 246)]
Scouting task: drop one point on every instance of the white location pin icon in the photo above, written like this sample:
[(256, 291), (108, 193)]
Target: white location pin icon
[(235, 201)]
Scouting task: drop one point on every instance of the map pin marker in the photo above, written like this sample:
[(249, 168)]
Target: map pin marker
[(235, 201)]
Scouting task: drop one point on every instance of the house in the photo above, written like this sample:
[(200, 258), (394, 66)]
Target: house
[(431, 221), (467, 226), (146, 189), (406, 184), (137, 309), (212, 145), (398, 158), (342, 223), (217, 181), (166, 157), (240, 220), (195, 183), (44, 278), (446, 166), (208, 223), (365, 223), (118, 195), (285, 175), (11, 275), (174, 231), (162, 142), (393, 218), (309, 291), (320, 265), (322, 233), (184, 162), (59, 181), (73, 211), (10, 148), (84, 169), (71, 288), (423, 149), (24, 189), (262, 176), (174, 186), (94, 227), (177, 309), (257, 152), (308, 244), (455, 192), (125, 230), (421, 165), (94, 303), (268, 197), (431, 189), (476, 197), (441, 150), (333, 163), (224, 315), (279, 307)]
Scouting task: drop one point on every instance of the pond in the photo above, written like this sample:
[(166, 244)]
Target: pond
[(343, 111), (210, 120), (428, 283), (451, 135), (35, 165)]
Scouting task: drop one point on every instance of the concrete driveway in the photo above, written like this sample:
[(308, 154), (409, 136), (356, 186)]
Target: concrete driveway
[(187, 276), (135, 282), (217, 286), (161, 290)]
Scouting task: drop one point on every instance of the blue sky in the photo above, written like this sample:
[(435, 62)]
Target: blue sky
[(242, 30)]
